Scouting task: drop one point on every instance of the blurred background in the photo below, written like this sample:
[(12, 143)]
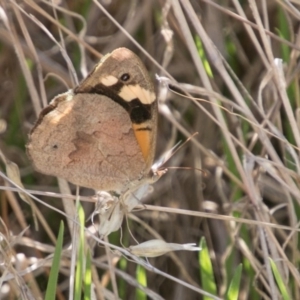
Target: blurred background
[(232, 72)]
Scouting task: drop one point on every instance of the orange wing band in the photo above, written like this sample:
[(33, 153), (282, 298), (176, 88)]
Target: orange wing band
[(144, 140)]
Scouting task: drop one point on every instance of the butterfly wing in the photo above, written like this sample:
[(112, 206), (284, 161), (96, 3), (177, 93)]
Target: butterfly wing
[(87, 139), (123, 77), (102, 134)]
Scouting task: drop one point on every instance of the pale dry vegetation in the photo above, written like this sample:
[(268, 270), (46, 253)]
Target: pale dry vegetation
[(233, 69)]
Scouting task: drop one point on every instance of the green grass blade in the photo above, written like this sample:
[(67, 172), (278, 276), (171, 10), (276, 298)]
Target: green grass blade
[(234, 287), (206, 270), (141, 277), (122, 285), (88, 276), (203, 57), (81, 257), (52, 282), (284, 293)]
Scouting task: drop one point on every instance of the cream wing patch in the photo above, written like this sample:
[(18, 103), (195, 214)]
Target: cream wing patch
[(109, 80), (130, 92)]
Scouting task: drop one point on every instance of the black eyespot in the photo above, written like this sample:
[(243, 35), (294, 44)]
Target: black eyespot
[(125, 77), (54, 146)]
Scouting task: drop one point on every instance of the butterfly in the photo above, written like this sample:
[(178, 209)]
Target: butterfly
[(102, 133)]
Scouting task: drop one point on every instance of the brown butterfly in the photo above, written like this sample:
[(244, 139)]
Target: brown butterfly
[(101, 134)]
